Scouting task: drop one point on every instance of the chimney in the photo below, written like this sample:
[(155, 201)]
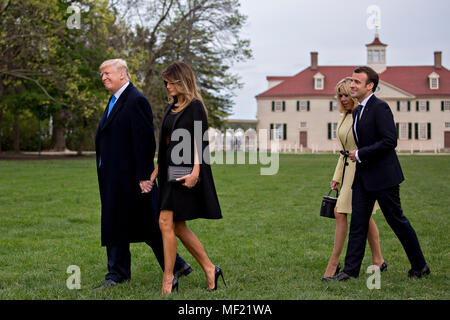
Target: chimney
[(438, 59), (314, 60)]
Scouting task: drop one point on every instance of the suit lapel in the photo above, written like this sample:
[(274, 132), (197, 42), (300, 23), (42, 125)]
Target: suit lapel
[(117, 106)]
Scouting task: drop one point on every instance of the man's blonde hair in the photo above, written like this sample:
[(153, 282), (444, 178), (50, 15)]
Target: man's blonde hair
[(119, 64)]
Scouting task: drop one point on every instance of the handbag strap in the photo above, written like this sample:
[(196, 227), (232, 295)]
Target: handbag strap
[(331, 190), (346, 155)]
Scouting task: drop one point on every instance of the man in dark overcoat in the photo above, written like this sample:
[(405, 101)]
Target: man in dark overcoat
[(125, 148)]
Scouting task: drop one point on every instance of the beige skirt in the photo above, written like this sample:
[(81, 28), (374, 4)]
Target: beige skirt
[(344, 201)]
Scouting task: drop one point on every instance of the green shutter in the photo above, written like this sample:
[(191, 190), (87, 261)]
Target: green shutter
[(271, 129), (416, 131), (409, 130), (298, 105), (284, 105), (429, 130), (273, 106), (442, 105), (398, 129), (428, 105), (284, 131), (331, 105), (409, 106), (329, 130), (417, 105), (398, 105), (308, 106)]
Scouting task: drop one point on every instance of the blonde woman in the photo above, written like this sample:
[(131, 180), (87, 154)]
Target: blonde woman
[(193, 195), (344, 133)]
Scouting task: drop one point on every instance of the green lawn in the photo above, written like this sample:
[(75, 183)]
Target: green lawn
[(271, 244)]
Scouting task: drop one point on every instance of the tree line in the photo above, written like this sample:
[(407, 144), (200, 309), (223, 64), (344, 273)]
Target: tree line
[(50, 52)]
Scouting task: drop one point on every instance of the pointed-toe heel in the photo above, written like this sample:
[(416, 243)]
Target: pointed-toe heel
[(338, 268), (218, 272), (174, 284)]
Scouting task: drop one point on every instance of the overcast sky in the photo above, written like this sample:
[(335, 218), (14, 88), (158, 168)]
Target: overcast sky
[(284, 32)]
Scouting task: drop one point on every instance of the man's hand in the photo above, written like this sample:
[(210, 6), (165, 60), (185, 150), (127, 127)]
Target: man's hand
[(352, 155), (146, 186)]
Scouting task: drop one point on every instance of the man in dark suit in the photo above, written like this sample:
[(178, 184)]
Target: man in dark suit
[(377, 177), (125, 148)]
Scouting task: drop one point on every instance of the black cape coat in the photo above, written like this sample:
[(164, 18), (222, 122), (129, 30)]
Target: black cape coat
[(200, 201), (126, 143)]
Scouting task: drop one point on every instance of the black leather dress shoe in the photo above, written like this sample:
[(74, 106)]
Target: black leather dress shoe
[(383, 266), (108, 283), (418, 274), (339, 277), (184, 271)]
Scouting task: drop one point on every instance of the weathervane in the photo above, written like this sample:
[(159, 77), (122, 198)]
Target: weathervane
[(374, 19)]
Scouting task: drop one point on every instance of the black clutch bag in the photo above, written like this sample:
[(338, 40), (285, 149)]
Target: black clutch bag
[(175, 172), (328, 205)]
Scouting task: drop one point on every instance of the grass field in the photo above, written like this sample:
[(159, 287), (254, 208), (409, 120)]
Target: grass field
[(271, 244)]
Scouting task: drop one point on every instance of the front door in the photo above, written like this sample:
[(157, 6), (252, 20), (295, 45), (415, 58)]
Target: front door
[(447, 139), (304, 139)]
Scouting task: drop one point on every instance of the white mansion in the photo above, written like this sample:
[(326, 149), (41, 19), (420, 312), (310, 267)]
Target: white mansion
[(302, 109)]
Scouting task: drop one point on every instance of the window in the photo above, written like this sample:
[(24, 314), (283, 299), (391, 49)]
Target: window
[(370, 56), (403, 106), (319, 84), (278, 106), (280, 131), (422, 105), (303, 105), (445, 105), (447, 125), (333, 105), (332, 129), (434, 83), (318, 81), (376, 56), (433, 79), (303, 125), (404, 130), (422, 131)]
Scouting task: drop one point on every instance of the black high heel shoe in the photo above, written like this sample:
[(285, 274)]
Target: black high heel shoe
[(174, 284), (218, 272), (338, 268)]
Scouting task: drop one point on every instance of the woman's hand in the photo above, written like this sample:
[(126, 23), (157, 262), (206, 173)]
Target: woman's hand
[(190, 180), (334, 185)]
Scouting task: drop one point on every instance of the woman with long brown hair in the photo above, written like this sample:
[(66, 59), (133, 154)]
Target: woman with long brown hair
[(191, 195)]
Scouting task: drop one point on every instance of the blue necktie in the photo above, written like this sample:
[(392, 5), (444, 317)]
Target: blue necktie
[(111, 105)]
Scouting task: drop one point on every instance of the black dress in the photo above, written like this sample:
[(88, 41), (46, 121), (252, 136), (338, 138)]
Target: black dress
[(186, 203)]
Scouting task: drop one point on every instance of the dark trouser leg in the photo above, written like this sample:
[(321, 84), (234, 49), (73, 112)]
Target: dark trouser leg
[(362, 205), (157, 246), (389, 200), (119, 262)]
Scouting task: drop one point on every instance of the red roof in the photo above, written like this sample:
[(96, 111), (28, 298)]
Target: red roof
[(413, 79), (376, 42)]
